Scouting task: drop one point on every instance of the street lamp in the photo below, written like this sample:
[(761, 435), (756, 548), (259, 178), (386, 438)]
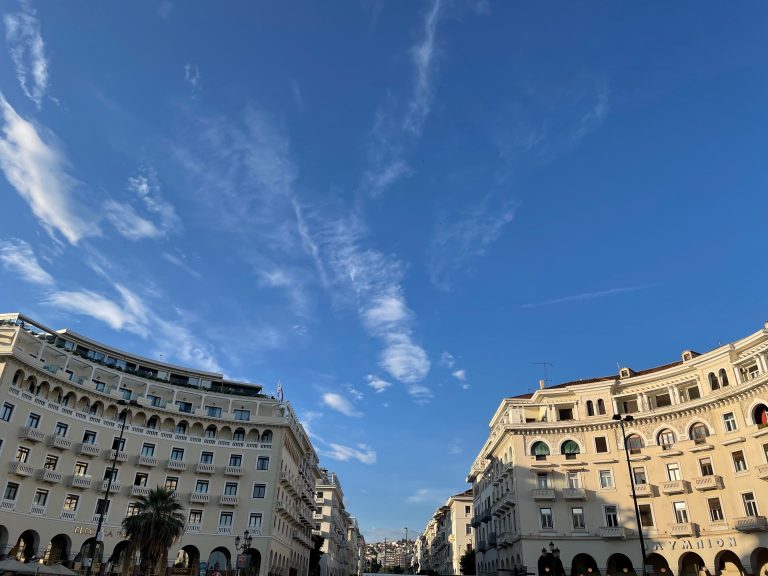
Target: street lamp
[(621, 420), (99, 537), (550, 563), (246, 543)]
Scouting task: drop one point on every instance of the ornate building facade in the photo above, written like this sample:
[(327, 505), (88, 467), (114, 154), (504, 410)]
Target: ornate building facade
[(447, 536)]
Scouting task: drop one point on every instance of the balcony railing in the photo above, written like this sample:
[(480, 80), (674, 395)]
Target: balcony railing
[(199, 498), (684, 529), (121, 456), (543, 494), (148, 461), (574, 494), (205, 468), (192, 528), (643, 490), (139, 490), (224, 530), (611, 532), (50, 476), (762, 472), (751, 524), (59, 442), (113, 488), (674, 487), (68, 514), (37, 510), (712, 482), (85, 449), (228, 500), (21, 469), (8, 505), (178, 465), (82, 482), (233, 471), (33, 434)]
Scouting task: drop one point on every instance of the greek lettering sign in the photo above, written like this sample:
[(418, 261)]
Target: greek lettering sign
[(694, 544)]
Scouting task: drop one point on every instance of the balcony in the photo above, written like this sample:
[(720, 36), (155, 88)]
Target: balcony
[(121, 456), (713, 482), (68, 515), (21, 469), (81, 482), (199, 498), (84, 449), (33, 434), (575, 494), (644, 490), (224, 530), (59, 442), (674, 487), (37, 510), (113, 489), (178, 465), (8, 505), (481, 546), (612, 532), (543, 494), (233, 471), (492, 540), (193, 528), (762, 472), (139, 491), (751, 524), (205, 468), (50, 476), (684, 529), (148, 461), (228, 500)]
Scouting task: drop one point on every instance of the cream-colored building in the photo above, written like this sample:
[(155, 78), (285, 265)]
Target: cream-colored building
[(554, 470), (238, 460), (447, 536), (332, 523)]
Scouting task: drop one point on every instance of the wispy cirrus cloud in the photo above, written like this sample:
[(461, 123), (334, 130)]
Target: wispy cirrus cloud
[(340, 404), (191, 74), (588, 295), (128, 223), (39, 172), (429, 496), (447, 359), (18, 257), (361, 452), (22, 33)]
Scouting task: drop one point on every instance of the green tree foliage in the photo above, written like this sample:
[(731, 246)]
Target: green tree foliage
[(467, 563)]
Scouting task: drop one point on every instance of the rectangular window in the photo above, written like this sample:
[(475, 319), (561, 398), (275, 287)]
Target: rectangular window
[(260, 490), (201, 487), (681, 512), (110, 473), (606, 478), (545, 517), (177, 454), (739, 462), (630, 406), (542, 481), (750, 506), (118, 444), (22, 454), (171, 483), (140, 479), (133, 509), (126, 393), (6, 412), (213, 411), (185, 407), (611, 516), (729, 422), (577, 518), (262, 463), (468, 529), (242, 414), (639, 476), (102, 506), (673, 471), (61, 429), (33, 420), (195, 516), (705, 465), (239, 435), (225, 519), (663, 400), (693, 393), (81, 469), (206, 458), (230, 489), (467, 510), (51, 462), (601, 444), (565, 414), (148, 449), (646, 515), (235, 460), (11, 491), (41, 497), (319, 494), (155, 401), (100, 387), (573, 479), (254, 521), (89, 437), (715, 510), (70, 502)]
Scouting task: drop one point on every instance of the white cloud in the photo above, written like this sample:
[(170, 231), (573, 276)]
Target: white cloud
[(421, 394), (191, 74), (355, 393), (362, 453), (377, 383), (128, 223), (465, 386), (22, 32), (18, 257), (447, 360), (404, 360), (38, 172), (588, 295), (340, 404), (428, 496), (180, 261), (423, 57), (385, 310), (147, 189), (460, 374), (454, 449)]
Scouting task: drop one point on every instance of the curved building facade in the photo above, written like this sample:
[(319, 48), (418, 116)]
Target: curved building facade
[(237, 459), (553, 489)]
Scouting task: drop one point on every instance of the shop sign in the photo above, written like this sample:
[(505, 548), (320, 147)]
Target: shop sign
[(90, 531), (695, 544)]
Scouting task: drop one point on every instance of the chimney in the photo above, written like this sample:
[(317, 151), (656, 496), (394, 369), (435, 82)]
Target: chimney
[(542, 384)]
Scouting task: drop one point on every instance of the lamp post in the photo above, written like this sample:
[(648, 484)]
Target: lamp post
[(550, 564), (621, 419), (246, 543), (99, 537)]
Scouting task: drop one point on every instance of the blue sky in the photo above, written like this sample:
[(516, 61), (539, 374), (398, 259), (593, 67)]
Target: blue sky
[(395, 208)]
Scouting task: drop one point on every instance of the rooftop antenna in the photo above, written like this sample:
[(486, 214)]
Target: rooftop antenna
[(544, 365)]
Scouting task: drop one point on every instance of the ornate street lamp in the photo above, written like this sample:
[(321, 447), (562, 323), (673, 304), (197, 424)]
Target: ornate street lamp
[(242, 547)]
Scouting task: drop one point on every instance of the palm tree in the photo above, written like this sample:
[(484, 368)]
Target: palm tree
[(157, 524)]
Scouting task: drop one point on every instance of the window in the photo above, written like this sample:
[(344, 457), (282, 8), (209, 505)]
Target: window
[(601, 444), (140, 479), (681, 512), (539, 450), (673, 472), (705, 465), (693, 393), (110, 473), (210, 432), (467, 510), (266, 438), (634, 444), (239, 435), (573, 480), (723, 377), (213, 411), (714, 384), (260, 490), (542, 481), (177, 454), (206, 458), (666, 439), (225, 519), (750, 506), (89, 437), (699, 433), (254, 521), (181, 428), (629, 406), (81, 469), (102, 506), (51, 462), (729, 422), (262, 463), (133, 510), (319, 494), (152, 423), (171, 483), (606, 478), (739, 462), (590, 408), (126, 393), (230, 489), (118, 444), (92, 409), (545, 517), (41, 497), (663, 400), (242, 414), (195, 516), (646, 515), (201, 487), (715, 510), (565, 414), (611, 516), (100, 387), (185, 407), (468, 529), (70, 502), (601, 407), (61, 429), (639, 476), (570, 449), (33, 420), (235, 460), (765, 451), (148, 449), (11, 491), (7, 412), (577, 518), (22, 454)]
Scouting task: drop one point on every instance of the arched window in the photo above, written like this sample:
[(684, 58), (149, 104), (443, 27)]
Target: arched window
[(699, 433), (210, 432), (714, 383), (181, 427), (635, 444), (266, 437), (666, 439), (540, 450), (590, 408), (570, 449), (239, 435), (760, 415), (723, 377), (152, 423), (600, 406)]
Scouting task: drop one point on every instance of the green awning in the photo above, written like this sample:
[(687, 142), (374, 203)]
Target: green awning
[(570, 447), (540, 449)]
